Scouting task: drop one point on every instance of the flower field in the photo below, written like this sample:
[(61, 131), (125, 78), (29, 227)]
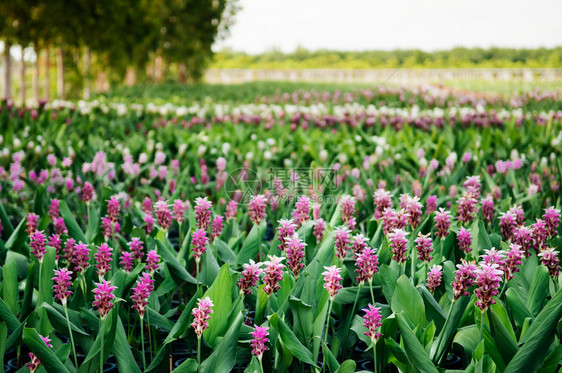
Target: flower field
[(381, 230)]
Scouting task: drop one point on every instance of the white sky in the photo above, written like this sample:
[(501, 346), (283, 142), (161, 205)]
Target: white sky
[(372, 24)]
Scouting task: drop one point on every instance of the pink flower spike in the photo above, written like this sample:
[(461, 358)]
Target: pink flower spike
[(34, 364), (231, 210), (372, 321), (367, 265), (136, 248), (202, 313), (103, 295), (465, 240), (152, 260), (442, 222), (551, 219), (301, 213), (126, 261), (342, 240), (250, 277), (103, 259), (62, 282), (434, 277), (163, 215), (141, 293), (256, 208), (488, 278), (202, 212), (398, 242), (286, 229), (31, 223), (38, 244), (199, 242), (549, 258), (514, 258), (260, 335), (332, 280), (464, 278), (273, 274), (424, 247), (295, 253), (217, 226)]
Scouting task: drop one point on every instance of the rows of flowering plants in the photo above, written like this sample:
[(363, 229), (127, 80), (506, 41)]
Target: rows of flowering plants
[(312, 236)]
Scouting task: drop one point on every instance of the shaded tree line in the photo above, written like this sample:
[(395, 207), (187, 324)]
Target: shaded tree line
[(98, 43)]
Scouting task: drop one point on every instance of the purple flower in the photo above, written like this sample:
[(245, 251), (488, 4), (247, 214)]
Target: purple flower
[(473, 185), (34, 364), (431, 204), (152, 260), (348, 210), (103, 295), (539, 234), (54, 209), (87, 193), (508, 223), (466, 208), (465, 240), (273, 274), (493, 256), (141, 292), (163, 214), (522, 236), (442, 222), (319, 228), (81, 258), (60, 227), (358, 244), (126, 261), (260, 339), (464, 278), (514, 258), (367, 264), (148, 224), (250, 276), (412, 207), (136, 248), (342, 240), (398, 243), (199, 242), (62, 282), (201, 314), (179, 208), (488, 278), (295, 253), (332, 280), (488, 208), (202, 212), (286, 229), (424, 247), (372, 321), (103, 259), (382, 201), (31, 223), (217, 226), (301, 213), (38, 244), (549, 258), (55, 242), (434, 277), (113, 209), (231, 210), (147, 206), (551, 219), (256, 208)]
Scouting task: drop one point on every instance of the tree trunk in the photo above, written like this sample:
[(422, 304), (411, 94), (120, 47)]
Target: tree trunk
[(36, 73), (60, 73), (182, 73), (158, 69), (7, 71), (130, 76), (87, 58), (22, 78), (47, 81)]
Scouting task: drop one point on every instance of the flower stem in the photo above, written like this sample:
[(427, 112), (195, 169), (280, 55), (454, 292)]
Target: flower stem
[(352, 314), (70, 333), (374, 356), (261, 366), (326, 335), (102, 338), (142, 345), (413, 269), (149, 333), (371, 289), (198, 354)]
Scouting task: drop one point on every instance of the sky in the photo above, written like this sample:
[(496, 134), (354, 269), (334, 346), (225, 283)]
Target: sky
[(262, 25)]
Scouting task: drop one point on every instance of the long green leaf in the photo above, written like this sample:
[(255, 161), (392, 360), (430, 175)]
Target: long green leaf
[(46, 354), (417, 355), (407, 299), (290, 340), (72, 226), (221, 295), (223, 357)]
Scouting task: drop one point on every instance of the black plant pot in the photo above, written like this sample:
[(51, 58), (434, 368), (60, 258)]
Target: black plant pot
[(453, 362)]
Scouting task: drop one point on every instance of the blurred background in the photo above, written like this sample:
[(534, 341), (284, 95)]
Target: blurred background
[(77, 49)]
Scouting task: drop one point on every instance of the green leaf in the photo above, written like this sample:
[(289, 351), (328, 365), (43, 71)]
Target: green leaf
[(122, 351), (443, 341), (3, 341), (221, 295), (538, 290), (519, 310), (417, 355), (433, 309), (347, 366), (406, 299), (551, 363), (469, 338), (329, 358), (291, 340), (303, 319), (16, 241), (178, 272), (506, 344), (72, 226), (223, 357), (188, 366), (251, 245), (10, 293), (58, 320), (44, 353)]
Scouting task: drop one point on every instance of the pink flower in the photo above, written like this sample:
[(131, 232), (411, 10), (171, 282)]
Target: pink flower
[(260, 339), (367, 264), (466, 208), (412, 207), (431, 204), (301, 213), (256, 208), (488, 208), (434, 277), (126, 261), (392, 219), (473, 186), (147, 206), (202, 212), (34, 364), (316, 211), (358, 244), (87, 193), (113, 209), (332, 280), (60, 227), (69, 250), (508, 223), (551, 219), (549, 258), (250, 276), (103, 258), (81, 257), (32, 222), (136, 248), (201, 314), (107, 227), (179, 208), (217, 226), (55, 242), (199, 242), (231, 210), (62, 282), (464, 278), (514, 258), (539, 233), (493, 256), (372, 321), (347, 209), (342, 240), (465, 240), (522, 236), (163, 215), (382, 201), (141, 292), (103, 295), (319, 228), (286, 229), (148, 224), (398, 243), (424, 247), (488, 279), (273, 274), (38, 244), (295, 253), (519, 214), (152, 260), (54, 211), (442, 223)]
